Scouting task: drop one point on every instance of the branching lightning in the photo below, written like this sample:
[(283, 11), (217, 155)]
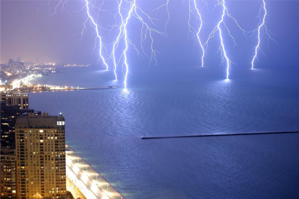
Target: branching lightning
[(62, 3), (127, 10), (198, 32), (219, 29), (97, 33), (257, 47), (228, 62), (166, 5), (123, 34), (115, 44)]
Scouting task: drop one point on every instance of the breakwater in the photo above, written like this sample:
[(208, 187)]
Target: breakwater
[(217, 135)]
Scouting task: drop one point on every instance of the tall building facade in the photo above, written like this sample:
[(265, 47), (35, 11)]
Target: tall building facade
[(8, 188), (15, 98), (9, 115), (40, 156)]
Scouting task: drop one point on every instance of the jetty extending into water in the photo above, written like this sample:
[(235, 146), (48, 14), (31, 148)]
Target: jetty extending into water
[(217, 135)]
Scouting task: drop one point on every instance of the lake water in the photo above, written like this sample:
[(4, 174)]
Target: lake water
[(105, 126)]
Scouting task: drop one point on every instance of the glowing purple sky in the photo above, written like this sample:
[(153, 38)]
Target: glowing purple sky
[(29, 33)]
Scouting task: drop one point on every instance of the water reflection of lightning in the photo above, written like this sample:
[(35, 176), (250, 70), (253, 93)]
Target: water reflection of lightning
[(218, 28), (257, 47), (123, 34), (97, 33), (198, 32)]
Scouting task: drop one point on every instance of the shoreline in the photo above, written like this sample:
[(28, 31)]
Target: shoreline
[(68, 89), (86, 179)]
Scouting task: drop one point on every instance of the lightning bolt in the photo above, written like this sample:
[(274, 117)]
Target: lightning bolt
[(147, 31), (62, 3), (123, 34), (89, 18), (119, 36), (166, 5), (218, 28), (228, 62), (200, 27), (257, 47), (97, 33)]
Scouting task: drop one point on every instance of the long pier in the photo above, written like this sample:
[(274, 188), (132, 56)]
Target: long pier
[(217, 135)]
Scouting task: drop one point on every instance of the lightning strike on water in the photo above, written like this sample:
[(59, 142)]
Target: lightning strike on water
[(228, 62), (199, 29), (257, 47), (146, 31), (97, 33), (119, 36), (123, 34), (218, 28), (88, 5)]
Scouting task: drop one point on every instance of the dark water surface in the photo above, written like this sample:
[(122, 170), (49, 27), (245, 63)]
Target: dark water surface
[(105, 126)]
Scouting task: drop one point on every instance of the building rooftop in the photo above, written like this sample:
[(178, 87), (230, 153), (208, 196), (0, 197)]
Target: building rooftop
[(39, 121)]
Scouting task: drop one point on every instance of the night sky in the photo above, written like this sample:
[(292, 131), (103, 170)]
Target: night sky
[(29, 31)]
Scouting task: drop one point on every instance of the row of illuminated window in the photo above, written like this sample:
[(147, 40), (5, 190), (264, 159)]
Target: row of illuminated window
[(60, 123)]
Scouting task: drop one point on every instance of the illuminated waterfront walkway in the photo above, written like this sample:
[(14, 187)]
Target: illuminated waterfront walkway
[(88, 181)]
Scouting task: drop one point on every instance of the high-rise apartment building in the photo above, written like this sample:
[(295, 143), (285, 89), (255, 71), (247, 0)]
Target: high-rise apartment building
[(40, 156), (15, 98), (9, 115), (8, 187)]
